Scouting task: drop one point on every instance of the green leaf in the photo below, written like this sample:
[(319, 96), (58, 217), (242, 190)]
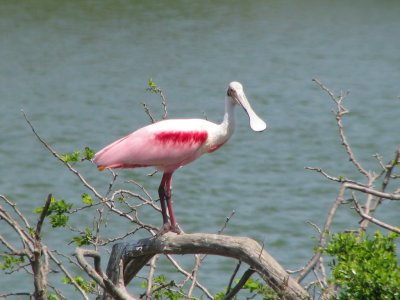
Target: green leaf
[(84, 239), (31, 231), (220, 296), (153, 87), (364, 267), (57, 212), (59, 220), (71, 157), (76, 156), (87, 286), (88, 153), (252, 285), (87, 199), (66, 280), (38, 210), (9, 261)]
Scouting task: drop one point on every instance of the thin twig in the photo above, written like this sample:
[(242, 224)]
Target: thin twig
[(186, 273), (194, 274), (150, 276), (388, 176), (373, 220), (240, 284), (227, 219), (10, 247), (141, 187), (118, 238), (233, 277), (16, 210), (4, 296), (324, 233), (55, 154), (341, 110), (26, 239), (314, 225), (336, 179), (164, 104), (42, 217), (148, 112)]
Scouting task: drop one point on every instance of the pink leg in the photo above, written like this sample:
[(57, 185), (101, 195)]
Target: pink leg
[(165, 193), (168, 194), (161, 193)]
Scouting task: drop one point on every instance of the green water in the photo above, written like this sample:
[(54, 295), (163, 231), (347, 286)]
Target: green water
[(79, 69)]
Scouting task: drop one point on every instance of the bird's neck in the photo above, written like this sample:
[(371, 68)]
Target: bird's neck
[(224, 130), (228, 123)]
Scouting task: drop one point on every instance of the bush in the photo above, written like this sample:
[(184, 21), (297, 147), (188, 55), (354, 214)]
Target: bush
[(363, 267)]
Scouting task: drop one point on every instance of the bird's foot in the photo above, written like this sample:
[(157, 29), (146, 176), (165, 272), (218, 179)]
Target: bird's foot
[(169, 228), (175, 228), (164, 229)]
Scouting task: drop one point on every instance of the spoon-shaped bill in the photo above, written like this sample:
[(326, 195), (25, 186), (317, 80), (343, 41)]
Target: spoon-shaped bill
[(256, 123)]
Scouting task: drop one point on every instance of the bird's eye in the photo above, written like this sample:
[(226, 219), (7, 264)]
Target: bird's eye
[(230, 92)]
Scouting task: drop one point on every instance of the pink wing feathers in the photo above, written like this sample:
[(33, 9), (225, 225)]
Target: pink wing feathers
[(166, 145)]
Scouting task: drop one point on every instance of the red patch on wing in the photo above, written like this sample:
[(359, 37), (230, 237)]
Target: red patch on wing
[(182, 137)]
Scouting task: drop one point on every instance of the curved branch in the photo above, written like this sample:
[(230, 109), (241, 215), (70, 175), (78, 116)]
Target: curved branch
[(372, 219), (136, 255), (116, 290), (366, 190)]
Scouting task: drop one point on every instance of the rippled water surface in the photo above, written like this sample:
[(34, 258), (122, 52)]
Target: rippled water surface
[(79, 70)]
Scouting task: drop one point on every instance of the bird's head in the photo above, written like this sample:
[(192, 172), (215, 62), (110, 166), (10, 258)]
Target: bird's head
[(236, 94)]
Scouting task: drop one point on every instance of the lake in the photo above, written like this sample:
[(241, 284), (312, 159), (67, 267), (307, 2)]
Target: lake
[(79, 70)]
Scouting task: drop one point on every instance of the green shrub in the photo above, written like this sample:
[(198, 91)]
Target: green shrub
[(363, 267)]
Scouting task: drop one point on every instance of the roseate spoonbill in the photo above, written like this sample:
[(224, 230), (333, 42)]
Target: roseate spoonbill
[(170, 144)]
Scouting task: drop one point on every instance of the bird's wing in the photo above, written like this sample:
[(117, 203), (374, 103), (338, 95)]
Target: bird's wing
[(166, 145)]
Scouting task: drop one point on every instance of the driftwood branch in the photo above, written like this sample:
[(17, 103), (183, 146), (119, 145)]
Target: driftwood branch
[(135, 255)]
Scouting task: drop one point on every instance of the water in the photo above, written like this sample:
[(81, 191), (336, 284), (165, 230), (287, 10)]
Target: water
[(79, 70)]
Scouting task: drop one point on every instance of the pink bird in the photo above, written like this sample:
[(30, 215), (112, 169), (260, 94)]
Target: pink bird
[(170, 144)]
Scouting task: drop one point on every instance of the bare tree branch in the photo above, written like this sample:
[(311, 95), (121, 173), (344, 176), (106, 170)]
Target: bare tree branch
[(372, 219), (341, 110), (16, 210), (227, 219), (148, 112), (370, 191), (371, 208), (241, 248), (151, 276), (324, 233), (55, 154), (189, 275), (233, 276), (119, 292), (42, 217), (67, 274), (194, 274)]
